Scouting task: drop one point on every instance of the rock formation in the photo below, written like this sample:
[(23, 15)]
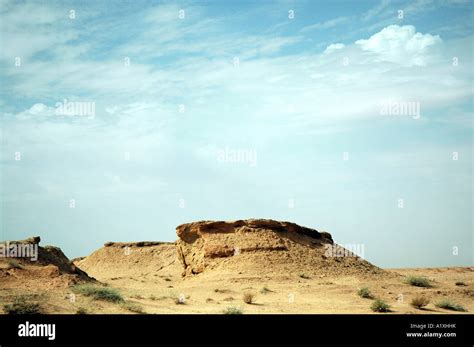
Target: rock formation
[(26, 261), (262, 246)]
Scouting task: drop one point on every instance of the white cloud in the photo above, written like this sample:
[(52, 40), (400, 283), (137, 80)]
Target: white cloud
[(325, 25), (402, 45), (30, 28), (37, 111), (377, 10), (333, 47), (267, 80), (37, 108)]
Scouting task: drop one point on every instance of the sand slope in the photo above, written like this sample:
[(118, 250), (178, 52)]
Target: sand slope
[(136, 259)]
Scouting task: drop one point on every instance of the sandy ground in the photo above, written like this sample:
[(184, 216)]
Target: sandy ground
[(148, 276), (214, 293)]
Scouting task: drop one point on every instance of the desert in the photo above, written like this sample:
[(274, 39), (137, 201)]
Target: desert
[(255, 266)]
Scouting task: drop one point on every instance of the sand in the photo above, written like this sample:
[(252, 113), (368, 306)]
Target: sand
[(160, 291)]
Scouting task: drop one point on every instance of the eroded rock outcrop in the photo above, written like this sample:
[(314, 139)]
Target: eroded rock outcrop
[(26, 261), (259, 246)]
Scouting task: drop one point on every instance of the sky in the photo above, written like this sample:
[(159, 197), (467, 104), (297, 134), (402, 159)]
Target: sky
[(122, 119)]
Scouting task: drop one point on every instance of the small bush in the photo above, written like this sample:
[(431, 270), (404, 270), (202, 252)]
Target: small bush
[(306, 277), (233, 310), (132, 307), (460, 283), (419, 302), (248, 297), (99, 293), (14, 264), (418, 281), (265, 290), (223, 291), (380, 306), (21, 306), (81, 310), (365, 293), (450, 305)]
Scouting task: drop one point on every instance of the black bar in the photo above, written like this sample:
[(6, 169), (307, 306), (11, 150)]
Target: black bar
[(376, 329)]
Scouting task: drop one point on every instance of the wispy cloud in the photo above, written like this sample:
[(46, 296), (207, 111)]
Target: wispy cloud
[(326, 24), (382, 8)]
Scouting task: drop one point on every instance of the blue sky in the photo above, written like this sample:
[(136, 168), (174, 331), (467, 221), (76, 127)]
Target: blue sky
[(299, 99)]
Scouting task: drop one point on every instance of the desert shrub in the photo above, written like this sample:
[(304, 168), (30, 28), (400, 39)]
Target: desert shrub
[(248, 297), (460, 283), (163, 297), (99, 293), (265, 290), (81, 310), (419, 302), (450, 305), (306, 277), (418, 281), (380, 306), (132, 307), (14, 264), (21, 306), (365, 293), (233, 310), (223, 291)]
